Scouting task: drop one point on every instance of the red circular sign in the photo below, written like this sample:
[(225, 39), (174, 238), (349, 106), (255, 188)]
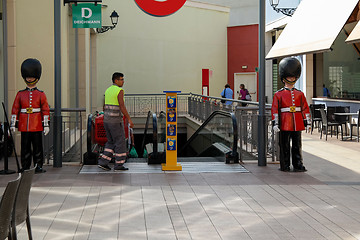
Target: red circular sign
[(158, 8)]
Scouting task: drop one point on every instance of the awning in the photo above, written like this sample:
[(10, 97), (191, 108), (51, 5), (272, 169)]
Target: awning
[(313, 27), (354, 35)]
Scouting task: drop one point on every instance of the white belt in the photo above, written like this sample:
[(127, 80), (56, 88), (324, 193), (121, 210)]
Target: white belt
[(30, 110), (112, 107), (291, 109)]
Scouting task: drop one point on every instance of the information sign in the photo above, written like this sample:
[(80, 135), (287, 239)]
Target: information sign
[(86, 15)]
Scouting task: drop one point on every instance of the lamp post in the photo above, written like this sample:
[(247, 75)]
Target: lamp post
[(114, 20), (286, 11)]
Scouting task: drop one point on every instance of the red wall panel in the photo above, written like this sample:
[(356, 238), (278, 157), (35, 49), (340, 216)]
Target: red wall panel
[(242, 50)]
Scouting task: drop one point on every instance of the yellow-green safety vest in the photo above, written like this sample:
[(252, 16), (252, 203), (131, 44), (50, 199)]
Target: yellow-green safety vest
[(111, 95)]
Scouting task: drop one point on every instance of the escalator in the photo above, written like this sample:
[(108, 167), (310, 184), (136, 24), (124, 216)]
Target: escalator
[(156, 146), (215, 140)]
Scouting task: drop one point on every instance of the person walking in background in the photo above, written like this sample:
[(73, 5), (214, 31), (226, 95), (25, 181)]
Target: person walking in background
[(32, 110), (326, 92), (290, 115), (227, 93), (242, 95), (114, 125)]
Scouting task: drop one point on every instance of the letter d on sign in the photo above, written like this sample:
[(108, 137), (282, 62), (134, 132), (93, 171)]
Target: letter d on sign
[(83, 11)]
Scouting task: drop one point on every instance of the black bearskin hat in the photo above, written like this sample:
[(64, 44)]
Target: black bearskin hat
[(289, 67), (31, 67)]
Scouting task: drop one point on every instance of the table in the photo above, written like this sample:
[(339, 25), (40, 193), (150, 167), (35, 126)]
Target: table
[(350, 115)]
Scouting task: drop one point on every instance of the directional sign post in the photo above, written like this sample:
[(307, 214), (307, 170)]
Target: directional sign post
[(171, 132)]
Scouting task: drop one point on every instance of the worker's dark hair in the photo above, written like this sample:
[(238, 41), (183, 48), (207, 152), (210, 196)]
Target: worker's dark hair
[(117, 75)]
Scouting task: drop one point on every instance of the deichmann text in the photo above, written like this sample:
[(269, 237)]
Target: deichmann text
[(86, 21)]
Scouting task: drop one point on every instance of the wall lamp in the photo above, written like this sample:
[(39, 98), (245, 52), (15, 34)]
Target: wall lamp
[(114, 20), (286, 11)]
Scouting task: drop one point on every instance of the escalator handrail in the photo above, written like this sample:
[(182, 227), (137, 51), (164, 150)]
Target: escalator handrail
[(162, 113), (212, 115), (154, 121)]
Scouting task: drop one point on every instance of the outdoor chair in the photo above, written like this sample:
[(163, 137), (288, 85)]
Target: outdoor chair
[(325, 124), (357, 125), (21, 207), (7, 206), (343, 120), (316, 115)]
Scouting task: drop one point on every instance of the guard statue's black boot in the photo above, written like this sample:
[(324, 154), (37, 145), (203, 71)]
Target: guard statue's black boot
[(39, 170), (300, 169), (286, 169)]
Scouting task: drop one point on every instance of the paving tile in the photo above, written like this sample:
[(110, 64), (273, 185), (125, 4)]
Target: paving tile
[(147, 203)]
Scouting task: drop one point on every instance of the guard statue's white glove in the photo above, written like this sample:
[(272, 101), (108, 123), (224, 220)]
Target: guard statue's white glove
[(276, 128), (276, 123), (46, 130), (308, 122), (12, 129), (46, 125), (12, 123)]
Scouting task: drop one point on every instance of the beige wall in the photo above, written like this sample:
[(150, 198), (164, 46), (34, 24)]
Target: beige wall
[(31, 35), (34, 32), (162, 53), (156, 54)]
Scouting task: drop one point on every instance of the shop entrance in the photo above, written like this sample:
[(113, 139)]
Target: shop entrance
[(249, 80)]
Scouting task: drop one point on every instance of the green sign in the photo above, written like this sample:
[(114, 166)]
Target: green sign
[(86, 15)]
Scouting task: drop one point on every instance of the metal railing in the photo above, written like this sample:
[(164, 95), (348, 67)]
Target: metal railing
[(138, 105), (200, 107), (73, 129), (195, 105)]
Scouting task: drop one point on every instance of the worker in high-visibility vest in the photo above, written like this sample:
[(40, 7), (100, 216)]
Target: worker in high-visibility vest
[(114, 109)]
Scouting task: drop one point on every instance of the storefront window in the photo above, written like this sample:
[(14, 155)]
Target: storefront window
[(342, 69)]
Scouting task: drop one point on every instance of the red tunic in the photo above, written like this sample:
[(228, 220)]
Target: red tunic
[(27, 99), (291, 107)]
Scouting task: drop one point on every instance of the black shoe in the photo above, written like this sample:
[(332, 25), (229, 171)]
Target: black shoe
[(287, 169), (120, 168), (301, 169), (39, 170), (105, 167)]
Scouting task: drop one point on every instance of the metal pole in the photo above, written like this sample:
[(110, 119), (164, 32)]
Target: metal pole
[(57, 111), (262, 117), (81, 142), (5, 53), (77, 75)]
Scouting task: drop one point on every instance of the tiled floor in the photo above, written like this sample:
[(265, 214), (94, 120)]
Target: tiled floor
[(263, 203)]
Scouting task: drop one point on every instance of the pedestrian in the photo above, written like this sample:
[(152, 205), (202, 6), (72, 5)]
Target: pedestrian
[(114, 110), (289, 113), (31, 110), (326, 92), (227, 93), (243, 95)]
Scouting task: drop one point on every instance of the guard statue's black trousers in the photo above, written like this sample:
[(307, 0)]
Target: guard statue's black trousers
[(31, 147), (284, 142)]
